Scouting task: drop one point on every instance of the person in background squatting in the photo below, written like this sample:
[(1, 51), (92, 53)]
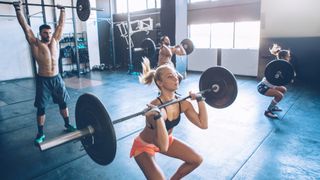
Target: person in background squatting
[(48, 81), (157, 136), (267, 89)]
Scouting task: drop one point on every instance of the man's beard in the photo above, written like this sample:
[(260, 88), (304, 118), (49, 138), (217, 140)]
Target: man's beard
[(45, 40)]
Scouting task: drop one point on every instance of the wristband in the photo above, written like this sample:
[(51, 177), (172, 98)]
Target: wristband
[(200, 98), (156, 117)]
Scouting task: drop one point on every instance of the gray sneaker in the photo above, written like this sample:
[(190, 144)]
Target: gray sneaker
[(269, 114), (276, 108)]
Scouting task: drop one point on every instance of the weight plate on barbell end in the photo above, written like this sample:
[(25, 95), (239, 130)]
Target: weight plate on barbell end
[(223, 84), (149, 48), (83, 9), (187, 44), (279, 72), (102, 145)]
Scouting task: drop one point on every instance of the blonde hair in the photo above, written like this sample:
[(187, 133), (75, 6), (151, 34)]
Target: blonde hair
[(149, 75), (275, 49), (278, 52)]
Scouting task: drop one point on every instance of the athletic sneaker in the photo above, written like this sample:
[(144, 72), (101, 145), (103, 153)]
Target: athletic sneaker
[(39, 139), (270, 114), (276, 108), (70, 128)]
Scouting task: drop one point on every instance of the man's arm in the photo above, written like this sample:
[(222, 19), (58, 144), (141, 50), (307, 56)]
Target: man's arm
[(165, 51), (179, 50), (23, 23), (59, 29)]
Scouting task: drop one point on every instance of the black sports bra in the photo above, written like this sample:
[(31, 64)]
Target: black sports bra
[(174, 122), (170, 123)]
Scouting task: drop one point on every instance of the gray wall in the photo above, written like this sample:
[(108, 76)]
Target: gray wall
[(15, 54)]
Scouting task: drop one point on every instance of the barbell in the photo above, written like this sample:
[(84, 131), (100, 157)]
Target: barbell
[(95, 127), (83, 8), (149, 48), (279, 72)]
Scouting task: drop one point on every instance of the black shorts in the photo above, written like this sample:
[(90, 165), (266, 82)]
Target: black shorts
[(262, 88), (47, 87)]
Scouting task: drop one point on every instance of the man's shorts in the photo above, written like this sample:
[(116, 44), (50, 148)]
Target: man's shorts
[(47, 87), (262, 88)]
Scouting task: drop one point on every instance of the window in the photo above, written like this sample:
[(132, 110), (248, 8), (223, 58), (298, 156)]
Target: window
[(136, 5), (222, 35), (194, 1), (247, 35), (121, 6), (240, 35), (200, 35), (158, 4), (151, 4)]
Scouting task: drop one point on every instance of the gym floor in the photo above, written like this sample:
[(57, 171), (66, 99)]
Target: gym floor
[(241, 143)]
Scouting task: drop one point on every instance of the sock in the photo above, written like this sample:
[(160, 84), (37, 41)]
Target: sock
[(66, 121), (272, 104), (40, 130)]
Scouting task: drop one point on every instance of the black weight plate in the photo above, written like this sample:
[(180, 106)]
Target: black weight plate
[(102, 145), (187, 44), (223, 84), (83, 9), (149, 48), (279, 72)]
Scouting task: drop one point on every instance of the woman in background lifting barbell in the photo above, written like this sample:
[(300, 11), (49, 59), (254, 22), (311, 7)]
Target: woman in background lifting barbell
[(157, 134), (268, 89)]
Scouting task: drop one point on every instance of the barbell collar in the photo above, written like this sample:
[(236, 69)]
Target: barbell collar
[(66, 138), (138, 49), (142, 49), (96, 9)]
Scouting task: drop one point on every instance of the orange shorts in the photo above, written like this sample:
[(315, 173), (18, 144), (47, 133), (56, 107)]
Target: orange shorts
[(139, 146)]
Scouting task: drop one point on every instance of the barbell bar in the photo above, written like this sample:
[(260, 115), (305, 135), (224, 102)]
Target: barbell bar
[(96, 130), (89, 130), (67, 137), (83, 8), (279, 72), (149, 48)]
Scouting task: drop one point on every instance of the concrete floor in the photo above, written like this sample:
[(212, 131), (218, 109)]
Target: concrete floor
[(241, 143)]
